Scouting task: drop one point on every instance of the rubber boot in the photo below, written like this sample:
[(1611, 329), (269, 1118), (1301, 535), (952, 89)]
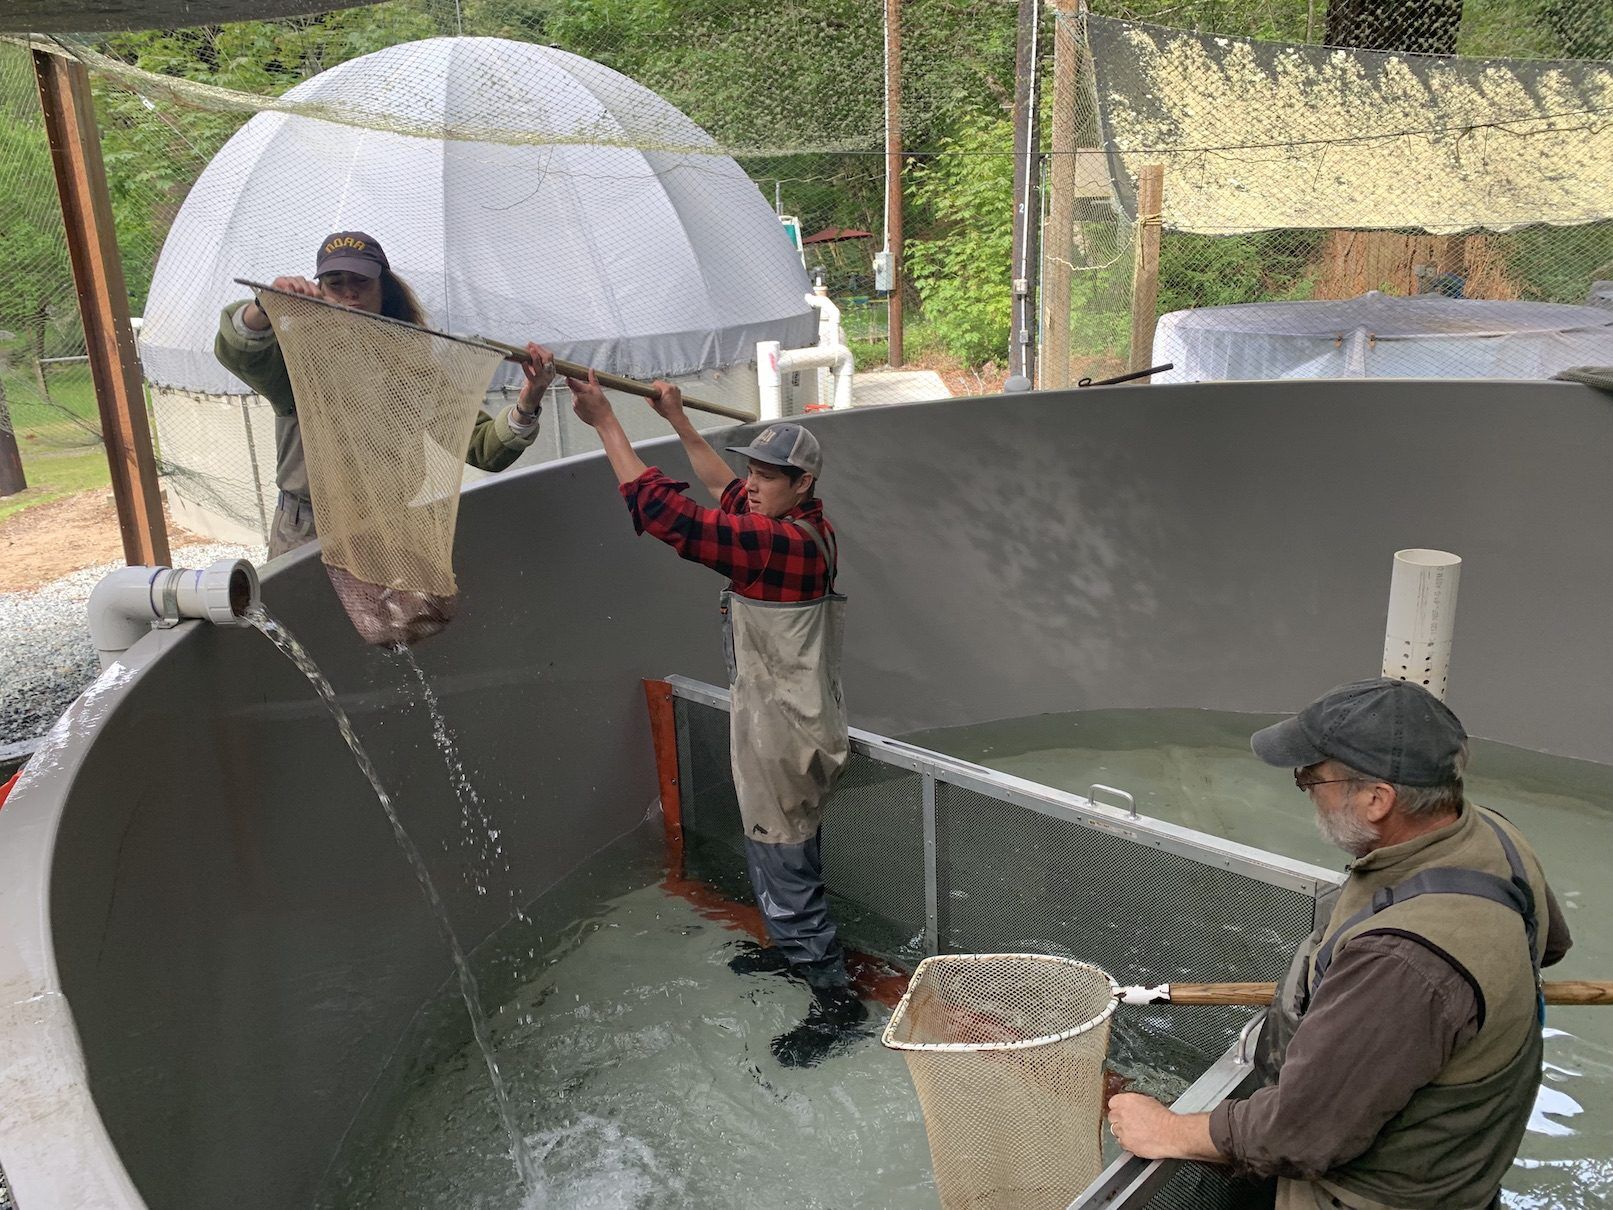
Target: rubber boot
[(754, 959), (832, 1024)]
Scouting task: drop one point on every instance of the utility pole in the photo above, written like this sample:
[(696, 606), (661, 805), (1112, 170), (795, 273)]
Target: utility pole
[(103, 303), (895, 354), (1027, 198)]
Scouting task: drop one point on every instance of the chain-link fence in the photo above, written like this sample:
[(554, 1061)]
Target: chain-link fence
[(1293, 177)]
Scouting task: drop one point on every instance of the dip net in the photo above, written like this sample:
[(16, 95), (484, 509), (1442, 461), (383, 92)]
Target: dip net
[(1007, 1054), (386, 410)]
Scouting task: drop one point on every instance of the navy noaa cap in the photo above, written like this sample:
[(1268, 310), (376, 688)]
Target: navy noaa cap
[(351, 252), (1390, 729), (784, 444)]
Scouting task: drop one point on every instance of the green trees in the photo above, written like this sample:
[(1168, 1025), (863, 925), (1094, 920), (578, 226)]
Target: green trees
[(960, 268)]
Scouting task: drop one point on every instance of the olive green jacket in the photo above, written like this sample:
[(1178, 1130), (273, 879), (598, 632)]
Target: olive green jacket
[(260, 364)]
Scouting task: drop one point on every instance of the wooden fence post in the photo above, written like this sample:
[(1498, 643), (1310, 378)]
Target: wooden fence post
[(103, 303), (1145, 271)]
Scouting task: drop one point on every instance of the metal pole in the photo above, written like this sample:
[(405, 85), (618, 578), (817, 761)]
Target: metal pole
[(1145, 273), (895, 355), (103, 303), (1058, 257), (1027, 195)]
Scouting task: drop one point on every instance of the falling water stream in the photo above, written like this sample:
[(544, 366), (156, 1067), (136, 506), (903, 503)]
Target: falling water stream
[(298, 654)]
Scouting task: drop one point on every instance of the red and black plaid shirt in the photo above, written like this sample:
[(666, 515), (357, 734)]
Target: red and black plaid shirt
[(766, 558)]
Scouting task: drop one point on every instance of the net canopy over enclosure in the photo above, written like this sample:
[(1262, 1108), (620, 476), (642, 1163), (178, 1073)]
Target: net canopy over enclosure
[(523, 191), (1261, 135)]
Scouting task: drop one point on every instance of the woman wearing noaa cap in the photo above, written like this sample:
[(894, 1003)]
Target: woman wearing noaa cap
[(782, 626), (352, 269)]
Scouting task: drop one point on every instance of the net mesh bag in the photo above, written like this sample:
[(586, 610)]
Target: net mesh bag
[(1007, 1054), (386, 411)]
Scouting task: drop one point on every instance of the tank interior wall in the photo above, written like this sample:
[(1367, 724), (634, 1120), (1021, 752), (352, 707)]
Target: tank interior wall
[(242, 944)]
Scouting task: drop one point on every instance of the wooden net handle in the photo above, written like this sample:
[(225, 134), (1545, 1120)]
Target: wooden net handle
[(628, 386), (1569, 991)]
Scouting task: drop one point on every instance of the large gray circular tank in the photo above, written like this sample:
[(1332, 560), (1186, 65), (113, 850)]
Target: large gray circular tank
[(208, 942)]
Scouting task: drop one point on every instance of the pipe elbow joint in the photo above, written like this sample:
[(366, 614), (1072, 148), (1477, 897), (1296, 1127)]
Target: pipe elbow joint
[(131, 602)]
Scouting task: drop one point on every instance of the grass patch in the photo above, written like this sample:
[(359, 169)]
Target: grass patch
[(55, 475), (58, 435), (64, 419)]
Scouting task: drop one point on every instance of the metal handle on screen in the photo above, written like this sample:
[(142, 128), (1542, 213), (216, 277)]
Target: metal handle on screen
[(1131, 803), (1243, 1037)]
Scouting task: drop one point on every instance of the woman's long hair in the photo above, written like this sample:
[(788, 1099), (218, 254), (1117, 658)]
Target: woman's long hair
[(398, 300)]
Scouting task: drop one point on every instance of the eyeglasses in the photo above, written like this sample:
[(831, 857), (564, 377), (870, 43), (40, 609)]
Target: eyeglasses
[(1305, 786)]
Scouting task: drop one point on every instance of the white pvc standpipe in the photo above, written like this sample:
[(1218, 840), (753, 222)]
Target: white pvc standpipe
[(830, 336), (769, 382), (1422, 618)]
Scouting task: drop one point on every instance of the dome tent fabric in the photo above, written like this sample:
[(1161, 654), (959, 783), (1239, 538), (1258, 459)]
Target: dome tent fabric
[(1381, 336), (558, 201)]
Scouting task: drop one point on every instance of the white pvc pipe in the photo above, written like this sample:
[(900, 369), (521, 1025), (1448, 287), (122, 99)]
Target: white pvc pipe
[(830, 334), (129, 603), (772, 363), (769, 382), (1422, 618)]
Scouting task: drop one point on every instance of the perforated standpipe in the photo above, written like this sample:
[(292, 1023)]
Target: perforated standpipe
[(1422, 618), (386, 411), (1007, 1052)]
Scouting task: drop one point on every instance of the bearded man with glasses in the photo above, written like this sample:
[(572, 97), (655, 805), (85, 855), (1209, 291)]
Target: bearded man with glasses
[(1403, 1052)]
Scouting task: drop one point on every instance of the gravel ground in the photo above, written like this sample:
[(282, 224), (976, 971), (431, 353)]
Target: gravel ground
[(46, 658)]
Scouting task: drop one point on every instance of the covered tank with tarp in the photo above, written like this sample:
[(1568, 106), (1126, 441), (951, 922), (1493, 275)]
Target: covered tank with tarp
[(524, 192), (1381, 336)]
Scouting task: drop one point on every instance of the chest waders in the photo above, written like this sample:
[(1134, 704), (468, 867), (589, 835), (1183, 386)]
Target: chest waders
[(1452, 1144), (788, 744)]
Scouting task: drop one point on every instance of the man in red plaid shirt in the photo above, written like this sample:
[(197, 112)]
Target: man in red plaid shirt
[(783, 623)]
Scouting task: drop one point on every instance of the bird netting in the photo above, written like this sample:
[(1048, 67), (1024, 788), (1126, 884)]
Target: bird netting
[(386, 411), (1007, 1054)]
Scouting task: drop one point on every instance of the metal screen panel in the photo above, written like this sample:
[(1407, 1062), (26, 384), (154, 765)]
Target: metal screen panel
[(873, 858), (713, 840), (873, 836)]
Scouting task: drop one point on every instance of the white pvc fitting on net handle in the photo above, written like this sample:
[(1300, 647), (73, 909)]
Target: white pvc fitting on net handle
[(1422, 618)]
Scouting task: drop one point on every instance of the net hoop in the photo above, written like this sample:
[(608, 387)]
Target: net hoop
[(931, 965)]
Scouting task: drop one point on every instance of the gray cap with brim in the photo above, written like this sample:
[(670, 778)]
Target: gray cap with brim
[(784, 444), (1385, 728)]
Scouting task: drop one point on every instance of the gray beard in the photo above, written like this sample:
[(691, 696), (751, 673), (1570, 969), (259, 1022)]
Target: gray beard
[(1346, 831)]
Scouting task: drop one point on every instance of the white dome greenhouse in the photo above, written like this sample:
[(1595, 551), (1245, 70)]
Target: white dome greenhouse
[(1381, 336), (525, 193)]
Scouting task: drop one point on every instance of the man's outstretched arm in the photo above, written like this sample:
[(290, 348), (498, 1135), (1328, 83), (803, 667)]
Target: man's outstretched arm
[(594, 410), (708, 464)]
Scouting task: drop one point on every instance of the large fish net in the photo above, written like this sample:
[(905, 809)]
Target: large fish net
[(1007, 1054), (386, 411)]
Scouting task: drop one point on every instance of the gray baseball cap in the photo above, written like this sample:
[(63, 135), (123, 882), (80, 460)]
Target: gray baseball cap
[(784, 444), (1385, 728), (351, 252)]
